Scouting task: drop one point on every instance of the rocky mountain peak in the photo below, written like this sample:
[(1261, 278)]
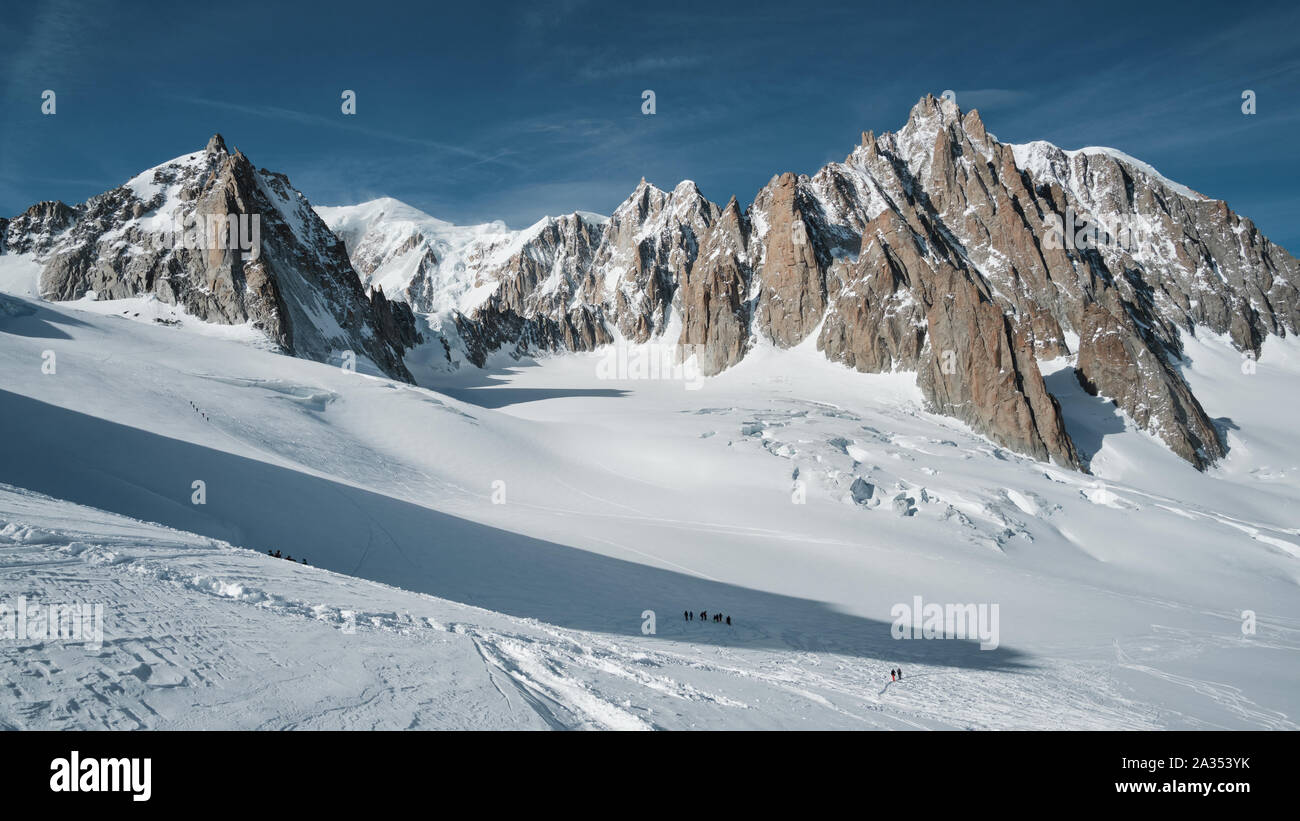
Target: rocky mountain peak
[(932, 113), (227, 244)]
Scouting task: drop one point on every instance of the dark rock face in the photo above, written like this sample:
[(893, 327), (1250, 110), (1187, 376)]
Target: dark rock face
[(395, 321), (227, 242), (874, 322), (1120, 361), (35, 230), (715, 311), (789, 265)]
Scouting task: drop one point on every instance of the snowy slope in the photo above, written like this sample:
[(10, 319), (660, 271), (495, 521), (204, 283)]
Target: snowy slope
[(392, 240), (1120, 593), (1042, 160)]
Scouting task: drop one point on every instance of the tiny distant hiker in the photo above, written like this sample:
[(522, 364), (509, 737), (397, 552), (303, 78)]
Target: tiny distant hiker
[(704, 614), (728, 621), (891, 675), (900, 673), (277, 554), (686, 615)]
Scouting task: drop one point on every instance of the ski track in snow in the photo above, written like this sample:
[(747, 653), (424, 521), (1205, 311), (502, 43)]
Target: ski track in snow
[(125, 684), (229, 630)]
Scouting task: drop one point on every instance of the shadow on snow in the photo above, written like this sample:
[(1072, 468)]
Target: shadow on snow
[(125, 470)]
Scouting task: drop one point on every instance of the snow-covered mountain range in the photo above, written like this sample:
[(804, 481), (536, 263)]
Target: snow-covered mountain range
[(918, 381), (929, 250), (933, 250)]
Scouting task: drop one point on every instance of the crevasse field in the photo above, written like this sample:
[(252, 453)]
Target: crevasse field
[(483, 549)]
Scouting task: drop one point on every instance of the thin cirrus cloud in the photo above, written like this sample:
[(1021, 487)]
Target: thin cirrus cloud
[(316, 120), (639, 67)]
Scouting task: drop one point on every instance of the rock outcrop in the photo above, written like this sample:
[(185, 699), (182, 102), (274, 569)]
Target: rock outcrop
[(228, 243)]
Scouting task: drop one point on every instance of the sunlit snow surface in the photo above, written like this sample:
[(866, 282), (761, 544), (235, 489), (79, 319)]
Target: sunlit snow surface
[(426, 605)]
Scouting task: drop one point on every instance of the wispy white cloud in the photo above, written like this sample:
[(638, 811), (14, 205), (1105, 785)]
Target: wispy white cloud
[(500, 157), (648, 66)]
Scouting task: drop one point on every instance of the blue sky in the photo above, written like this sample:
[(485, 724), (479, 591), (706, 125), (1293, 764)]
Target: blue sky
[(482, 110)]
